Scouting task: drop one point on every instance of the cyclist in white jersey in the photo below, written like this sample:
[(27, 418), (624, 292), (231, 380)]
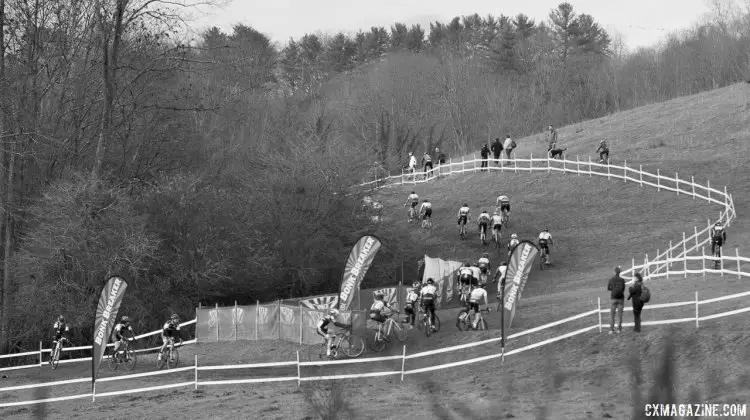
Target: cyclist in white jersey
[(465, 274), (484, 268), (545, 240), (463, 215), (497, 223), (412, 199), (483, 220), (426, 209), (474, 300), (475, 274)]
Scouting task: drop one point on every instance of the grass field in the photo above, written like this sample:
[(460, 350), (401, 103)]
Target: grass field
[(596, 224)]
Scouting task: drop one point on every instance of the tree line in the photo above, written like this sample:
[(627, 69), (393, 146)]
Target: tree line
[(219, 169)]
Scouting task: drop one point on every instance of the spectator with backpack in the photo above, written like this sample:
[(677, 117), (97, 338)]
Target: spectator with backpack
[(616, 287), (509, 146), (640, 295), (497, 148)]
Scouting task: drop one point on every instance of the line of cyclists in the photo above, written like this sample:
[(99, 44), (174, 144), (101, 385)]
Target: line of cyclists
[(122, 333)]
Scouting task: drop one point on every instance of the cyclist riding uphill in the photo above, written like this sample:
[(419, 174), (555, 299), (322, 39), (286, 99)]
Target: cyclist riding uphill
[(377, 308), (483, 220), (513, 243), (718, 237), (411, 301), (428, 294), (484, 267), (463, 214), (504, 203), (465, 274), (426, 209), (474, 300), (497, 222), (169, 331), (322, 328), (60, 327), (119, 331), (545, 240)]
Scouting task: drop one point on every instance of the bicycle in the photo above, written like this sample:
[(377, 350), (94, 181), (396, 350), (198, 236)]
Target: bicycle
[(171, 357), (427, 324), (496, 237), (465, 321), (57, 351), (350, 345), (717, 256), (381, 338), (123, 356), (462, 231), (483, 235), (542, 257), (426, 224), (506, 219), (411, 214)]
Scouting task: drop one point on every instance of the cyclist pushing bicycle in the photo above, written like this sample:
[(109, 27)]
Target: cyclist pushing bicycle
[(322, 328), (168, 332)]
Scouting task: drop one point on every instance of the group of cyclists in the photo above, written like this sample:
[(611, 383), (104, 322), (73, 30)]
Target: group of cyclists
[(122, 332)]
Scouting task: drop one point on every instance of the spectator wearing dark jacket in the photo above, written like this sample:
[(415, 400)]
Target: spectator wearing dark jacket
[(497, 148), (485, 152), (616, 287), (635, 296), (551, 137), (440, 156)]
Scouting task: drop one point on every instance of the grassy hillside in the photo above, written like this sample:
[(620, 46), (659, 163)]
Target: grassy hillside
[(596, 224)]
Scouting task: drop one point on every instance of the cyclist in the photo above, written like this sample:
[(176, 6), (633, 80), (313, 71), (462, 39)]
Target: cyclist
[(483, 220), (545, 240), (411, 302), (322, 328), (60, 327), (476, 296), (169, 331), (718, 237), (504, 203), (465, 274), (497, 224), (414, 199), (428, 294), (501, 272), (376, 310), (475, 273), (426, 211), (603, 151), (513, 243), (119, 330), (484, 268), (463, 214)]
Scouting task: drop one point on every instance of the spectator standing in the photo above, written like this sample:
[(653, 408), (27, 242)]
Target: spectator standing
[(412, 162), (497, 148), (635, 295), (603, 151), (509, 146), (440, 156), (485, 152), (427, 162), (616, 287), (551, 137)]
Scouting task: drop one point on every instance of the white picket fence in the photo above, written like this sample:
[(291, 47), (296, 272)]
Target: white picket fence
[(690, 188), (40, 353), (598, 324)]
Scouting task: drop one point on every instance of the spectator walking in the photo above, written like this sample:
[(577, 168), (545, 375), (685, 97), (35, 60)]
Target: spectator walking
[(635, 295), (603, 151), (616, 287), (509, 146), (485, 152), (497, 148), (551, 137)]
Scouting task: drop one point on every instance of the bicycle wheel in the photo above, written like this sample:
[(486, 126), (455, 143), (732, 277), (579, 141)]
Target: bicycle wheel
[(129, 359), (173, 361), (113, 361), (482, 326), (55, 357), (353, 346), (401, 332), (541, 260), (427, 327), (437, 323), (461, 320), (377, 344), (162, 361)]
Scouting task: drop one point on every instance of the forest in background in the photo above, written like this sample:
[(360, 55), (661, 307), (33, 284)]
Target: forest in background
[(215, 170)]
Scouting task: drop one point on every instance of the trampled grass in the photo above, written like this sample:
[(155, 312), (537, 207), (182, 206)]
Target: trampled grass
[(596, 224)]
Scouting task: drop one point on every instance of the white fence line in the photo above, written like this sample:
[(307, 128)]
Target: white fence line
[(404, 357)]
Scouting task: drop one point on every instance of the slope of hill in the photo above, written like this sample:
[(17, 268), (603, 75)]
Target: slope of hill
[(597, 224)]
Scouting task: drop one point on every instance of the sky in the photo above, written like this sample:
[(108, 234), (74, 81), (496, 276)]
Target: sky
[(639, 22)]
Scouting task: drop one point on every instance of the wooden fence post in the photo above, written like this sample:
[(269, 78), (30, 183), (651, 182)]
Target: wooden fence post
[(234, 320), (658, 179), (677, 183), (703, 259), (609, 175), (625, 171), (599, 310), (531, 162), (195, 380), (684, 253), (548, 167), (463, 164), (692, 183), (299, 375), (403, 362), (257, 318), (578, 166), (708, 188), (301, 314), (515, 163), (739, 269), (590, 173), (474, 155), (218, 323), (40, 347), (669, 256), (695, 229), (450, 166), (278, 323)]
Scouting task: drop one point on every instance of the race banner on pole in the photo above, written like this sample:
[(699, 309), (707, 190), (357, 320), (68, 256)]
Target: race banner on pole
[(106, 314), (357, 265), (519, 266)]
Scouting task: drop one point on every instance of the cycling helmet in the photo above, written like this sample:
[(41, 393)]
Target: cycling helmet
[(333, 312), (426, 200), (486, 255), (466, 205), (416, 285), (413, 192), (546, 229), (430, 281), (718, 224), (174, 316), (379, 296), (61, 318), (504, 263), (496, 212), (125, 319), (514, 236), (467, 265), (484, 211)]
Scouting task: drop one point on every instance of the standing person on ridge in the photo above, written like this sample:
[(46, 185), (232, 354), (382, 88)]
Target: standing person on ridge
[(635, 296), (616, 287), (551, 137), (509, 146), (497, 148), (485, 152)]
